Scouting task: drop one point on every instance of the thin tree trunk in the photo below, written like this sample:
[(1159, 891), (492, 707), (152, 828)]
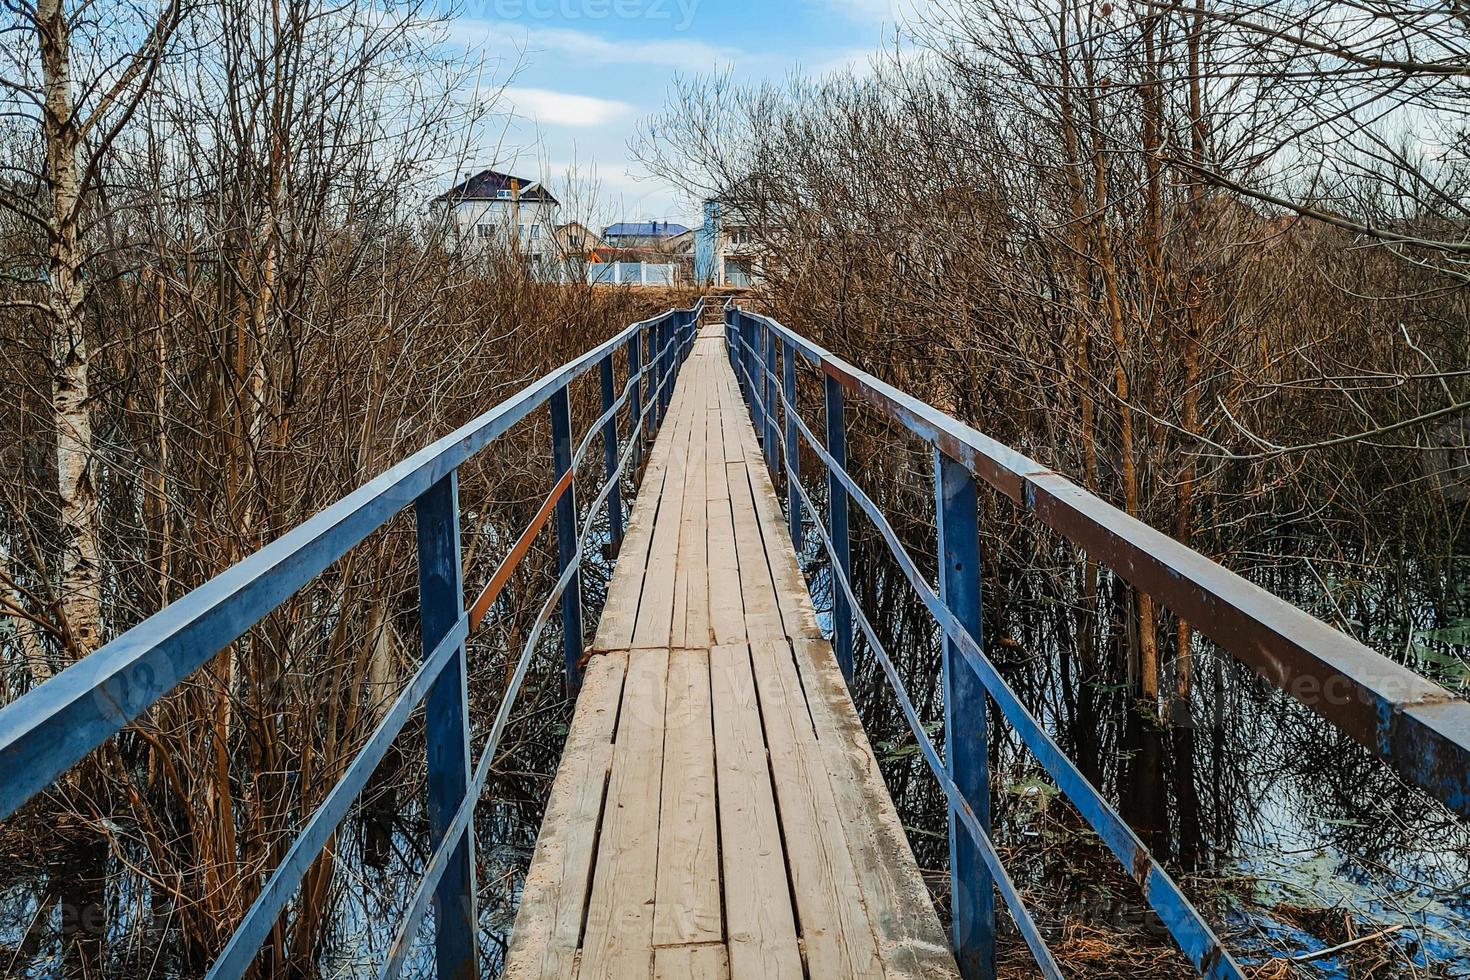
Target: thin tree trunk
[(1147, 641), (81, 590), (1081, 359), (1189, 420)]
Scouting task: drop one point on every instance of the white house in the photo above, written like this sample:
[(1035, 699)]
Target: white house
[(496, 210)]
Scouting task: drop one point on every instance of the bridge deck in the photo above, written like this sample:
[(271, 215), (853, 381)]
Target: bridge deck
[(718, 811)]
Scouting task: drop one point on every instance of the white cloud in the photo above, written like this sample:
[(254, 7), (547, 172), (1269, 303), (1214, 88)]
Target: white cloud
[(498, 37), (550, 108)]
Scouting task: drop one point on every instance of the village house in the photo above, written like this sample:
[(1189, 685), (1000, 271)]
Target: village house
[(653, 235), (575, 242), (497, 210)]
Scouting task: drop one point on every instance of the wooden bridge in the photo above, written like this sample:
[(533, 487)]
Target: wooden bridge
[(718, 811)]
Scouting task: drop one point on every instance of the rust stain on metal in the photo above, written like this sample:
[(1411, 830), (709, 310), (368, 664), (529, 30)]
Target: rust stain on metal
[(843, 377), (1143, 863), (523, 544)]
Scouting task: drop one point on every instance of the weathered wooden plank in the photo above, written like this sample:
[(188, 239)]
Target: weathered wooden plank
[(793, 599), (656, 606), (618, 940), (690, 625), (708, 962), (762, 612), (911, 940), (733, 415), (721, 752), (759, 923), (727, 606), (687, 904), (835, 932), (620, 612), (549, 921), (763, 618)]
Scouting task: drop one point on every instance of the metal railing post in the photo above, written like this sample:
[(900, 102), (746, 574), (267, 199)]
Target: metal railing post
[(752, 370), (732, 347), (655, 377), (957, 510), (566, 539), (742, 337), (793, 457), (737, 352), (768, 377), (747, 355), (837, 525), (446, 724), (610, 451), (665, 381), (635, 397)]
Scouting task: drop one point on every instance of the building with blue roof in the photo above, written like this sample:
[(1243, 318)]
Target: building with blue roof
[(641, 234)]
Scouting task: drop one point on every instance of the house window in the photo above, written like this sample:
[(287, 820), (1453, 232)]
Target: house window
[(484, 231), (535, 232), (503, 194)]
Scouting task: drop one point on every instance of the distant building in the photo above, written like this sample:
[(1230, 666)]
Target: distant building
[(727, 248), (497, 210), (642, 234), (576, 242)]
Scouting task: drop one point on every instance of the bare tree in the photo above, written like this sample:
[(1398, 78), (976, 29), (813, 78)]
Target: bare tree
[(77, 133)]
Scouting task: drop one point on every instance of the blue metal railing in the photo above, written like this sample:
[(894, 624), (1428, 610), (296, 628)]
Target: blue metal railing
[(1416, 726), (51, 728)]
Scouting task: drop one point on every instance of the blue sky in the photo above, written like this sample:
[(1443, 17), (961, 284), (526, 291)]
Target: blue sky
[(579, 75)]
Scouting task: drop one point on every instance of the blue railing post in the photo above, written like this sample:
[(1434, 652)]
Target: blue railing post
[(655, 383), (665, 379), (752, 390), (793, 457), (566, 539), (732, 348), (753, 376), (635, 397), (737, 352), (768, 376), (610, 451), (742, 336), (837, 525), (447, 725), (651, 359), (972, 904)]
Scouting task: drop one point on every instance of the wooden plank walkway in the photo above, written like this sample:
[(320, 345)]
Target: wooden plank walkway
[(718, 811)]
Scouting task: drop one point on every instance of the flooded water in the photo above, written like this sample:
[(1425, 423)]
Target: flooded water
[(1287, 834), (1284, 831)]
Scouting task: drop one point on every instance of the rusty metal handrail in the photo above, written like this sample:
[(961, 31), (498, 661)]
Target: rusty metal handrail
[(1419, 728), (52, 727)]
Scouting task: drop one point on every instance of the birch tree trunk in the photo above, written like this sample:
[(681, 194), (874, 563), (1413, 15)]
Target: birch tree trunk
[(81, 590)]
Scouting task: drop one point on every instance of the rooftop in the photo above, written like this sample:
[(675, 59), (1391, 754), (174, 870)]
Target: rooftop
[(492, 185), (644, 229)]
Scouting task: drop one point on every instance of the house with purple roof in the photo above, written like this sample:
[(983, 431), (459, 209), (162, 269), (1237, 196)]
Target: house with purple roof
[(492, 209)]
